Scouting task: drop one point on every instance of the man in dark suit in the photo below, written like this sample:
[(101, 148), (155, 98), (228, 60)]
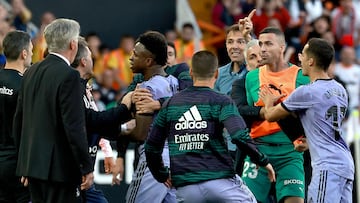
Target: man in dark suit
[(49, 123), (98, 124)]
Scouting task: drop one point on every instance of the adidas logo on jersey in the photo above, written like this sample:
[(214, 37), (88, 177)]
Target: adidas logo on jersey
[(7, 91), (191, 119)]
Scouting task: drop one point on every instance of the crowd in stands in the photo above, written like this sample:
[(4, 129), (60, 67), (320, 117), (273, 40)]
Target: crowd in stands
[(336, 21)]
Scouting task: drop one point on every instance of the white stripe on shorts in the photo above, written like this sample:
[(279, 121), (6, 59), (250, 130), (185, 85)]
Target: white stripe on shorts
[(135, 183), (322, 186)]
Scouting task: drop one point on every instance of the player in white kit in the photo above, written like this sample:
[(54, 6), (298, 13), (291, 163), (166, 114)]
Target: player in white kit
[(321, 107)]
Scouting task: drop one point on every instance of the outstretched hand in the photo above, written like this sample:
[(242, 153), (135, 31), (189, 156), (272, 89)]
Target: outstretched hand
[(168, 183), (108, 164), (87, 181), (301, 145), (127, 99), (118, 171), (268, 97), (246, 25), (140, 94), (271, 172), (24, 181)]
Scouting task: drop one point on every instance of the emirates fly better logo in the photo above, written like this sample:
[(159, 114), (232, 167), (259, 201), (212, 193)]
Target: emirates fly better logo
[(191, 119), (191, 140)]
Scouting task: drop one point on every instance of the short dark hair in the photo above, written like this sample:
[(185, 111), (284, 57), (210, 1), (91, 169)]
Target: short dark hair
[(233, 28), (274, 30), (322, 52), (188, 25), (173, 46), (126, 36), (82, 52), (204, 64), (14, 43), (155, 42), (91, 34)]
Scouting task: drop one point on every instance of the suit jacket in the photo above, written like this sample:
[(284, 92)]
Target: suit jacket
[(49, 124), (238, 94), (105, 123)]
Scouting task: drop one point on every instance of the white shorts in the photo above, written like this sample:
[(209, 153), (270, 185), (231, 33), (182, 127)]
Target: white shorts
[(144, 188), (229, 190), (328, 187)]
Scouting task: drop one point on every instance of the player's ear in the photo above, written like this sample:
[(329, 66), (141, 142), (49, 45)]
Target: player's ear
[(73, 44), (24, 53), (283, 48), (216, 74), (311, 62)]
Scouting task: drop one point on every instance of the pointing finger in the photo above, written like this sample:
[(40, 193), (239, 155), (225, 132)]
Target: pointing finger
[(251, 14)]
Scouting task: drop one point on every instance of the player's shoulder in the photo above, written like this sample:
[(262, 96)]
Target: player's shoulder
[(10, 77), (156, 80), (220, 98), (253, 74)]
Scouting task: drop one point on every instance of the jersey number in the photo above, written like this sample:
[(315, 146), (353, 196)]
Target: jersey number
[(332, 113), (250, 170)]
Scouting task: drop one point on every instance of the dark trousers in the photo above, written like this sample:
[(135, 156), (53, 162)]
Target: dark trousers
[(93, 195), (11, 189), (42, 191)]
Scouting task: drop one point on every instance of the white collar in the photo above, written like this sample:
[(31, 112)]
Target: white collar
[(62, 57)]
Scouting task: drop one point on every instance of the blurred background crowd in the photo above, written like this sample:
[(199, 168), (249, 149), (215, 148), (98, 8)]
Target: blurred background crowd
[(201, 25), (192, 25)]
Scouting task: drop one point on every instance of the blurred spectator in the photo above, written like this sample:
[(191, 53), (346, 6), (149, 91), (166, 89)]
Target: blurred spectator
[(292, 32), (118, 60), (5, 26), (346, 24), (4, 10), (349, 72), (95, 91), (107, 92), (39, 40), (171, 35), (94, 42), (329, 36), (226, 13), (267, 10), (329, 6), (187, 44), (2, 61), (317, 28), (171, 54), (21, 18), (314, 9)]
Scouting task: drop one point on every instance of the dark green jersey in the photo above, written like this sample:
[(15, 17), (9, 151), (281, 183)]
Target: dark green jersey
[(192, 121)]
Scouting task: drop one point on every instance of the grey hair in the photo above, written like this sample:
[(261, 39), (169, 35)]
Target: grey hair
[(250, 44), (59, 34)]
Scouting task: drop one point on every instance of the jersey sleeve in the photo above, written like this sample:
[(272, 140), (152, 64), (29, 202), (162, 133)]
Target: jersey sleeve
[(239, 134), (298, 100)]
